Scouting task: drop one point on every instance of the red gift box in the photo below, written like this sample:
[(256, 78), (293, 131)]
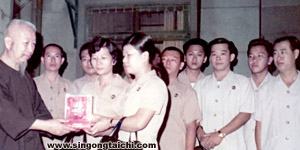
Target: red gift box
[(78, 110)]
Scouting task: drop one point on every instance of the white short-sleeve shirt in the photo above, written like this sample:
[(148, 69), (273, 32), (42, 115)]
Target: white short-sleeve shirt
[(279, 113), (250, 125), (149, 92), (221, 101)]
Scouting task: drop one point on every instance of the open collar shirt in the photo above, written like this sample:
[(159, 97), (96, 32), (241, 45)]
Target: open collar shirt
[(279, 113), (221, 101)]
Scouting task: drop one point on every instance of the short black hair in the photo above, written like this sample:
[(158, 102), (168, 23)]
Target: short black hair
[(85, 46), (53, 45), (195, 41), (231, 47), (255, 42), (294, 43), (173, 48), (115, 52)]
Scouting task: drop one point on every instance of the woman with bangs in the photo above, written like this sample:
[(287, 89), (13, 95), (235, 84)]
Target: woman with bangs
[(147, 95), (108, 90)]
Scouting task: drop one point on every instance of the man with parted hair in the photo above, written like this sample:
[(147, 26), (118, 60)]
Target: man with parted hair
[(22, 111), (226, 100), (195, 51), (277, 113), (260, 52), (52, 86)]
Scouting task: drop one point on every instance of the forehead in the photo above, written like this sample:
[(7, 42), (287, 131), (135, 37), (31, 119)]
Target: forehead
[(52, 49), (129, 48), (25, 33), (219, 47), (282, 45), (171, 53), (258, 49), (85, 52), (195, 48), (102, 51)]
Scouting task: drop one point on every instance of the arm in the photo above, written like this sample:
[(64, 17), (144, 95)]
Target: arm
[(190, 135), (258, 135), (232, 126), (200, 132), (132, 123), (53, 126), (236, 123)]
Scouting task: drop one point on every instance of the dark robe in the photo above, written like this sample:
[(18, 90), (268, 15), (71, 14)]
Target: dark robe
[(20, 106)]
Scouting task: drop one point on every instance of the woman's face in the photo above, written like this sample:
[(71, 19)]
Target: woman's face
[(132, 61), (102, 61)]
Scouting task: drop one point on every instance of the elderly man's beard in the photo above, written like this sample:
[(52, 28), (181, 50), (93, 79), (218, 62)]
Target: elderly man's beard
[(23, 68)]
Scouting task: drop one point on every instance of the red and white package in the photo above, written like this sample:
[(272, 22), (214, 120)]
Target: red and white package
[(78, 110)]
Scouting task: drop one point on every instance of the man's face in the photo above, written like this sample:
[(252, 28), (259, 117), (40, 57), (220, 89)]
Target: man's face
[(171, 61), (284, 57), (220, 57), (195, 57), (102, 61), (86, 62), (21, 45), (52, 59), (258, 59)]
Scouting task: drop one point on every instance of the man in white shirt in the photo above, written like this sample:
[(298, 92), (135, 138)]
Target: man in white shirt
[(90, 73), (196, 61), (180, 131), (260, 52), (226, 100), (278, 112)]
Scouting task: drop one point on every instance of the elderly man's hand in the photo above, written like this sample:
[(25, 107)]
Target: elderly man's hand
[(53, 126), (56, 127)]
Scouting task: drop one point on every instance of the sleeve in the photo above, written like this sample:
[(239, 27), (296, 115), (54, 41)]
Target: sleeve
[(247, 97), (191, 109), (12, 121), (155, 96)]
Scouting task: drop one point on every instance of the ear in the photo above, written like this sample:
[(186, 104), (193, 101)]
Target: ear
[(145, 56), (296, 53), (62, 61), (232, 56), (114, 62), (8, 43), (181, 65), (270, 60), (184, 58), (205, 59), (42, 60)]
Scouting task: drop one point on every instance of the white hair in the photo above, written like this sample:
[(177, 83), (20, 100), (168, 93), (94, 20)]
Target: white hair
[(20, 22)]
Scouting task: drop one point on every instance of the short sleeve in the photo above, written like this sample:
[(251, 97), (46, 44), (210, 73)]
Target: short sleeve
[(191, 107), (155, 95), (247, 101)]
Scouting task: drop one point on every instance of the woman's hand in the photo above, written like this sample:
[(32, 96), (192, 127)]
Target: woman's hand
[(100, 124)]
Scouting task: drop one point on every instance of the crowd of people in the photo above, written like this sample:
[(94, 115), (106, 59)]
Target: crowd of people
[(164, 95)]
